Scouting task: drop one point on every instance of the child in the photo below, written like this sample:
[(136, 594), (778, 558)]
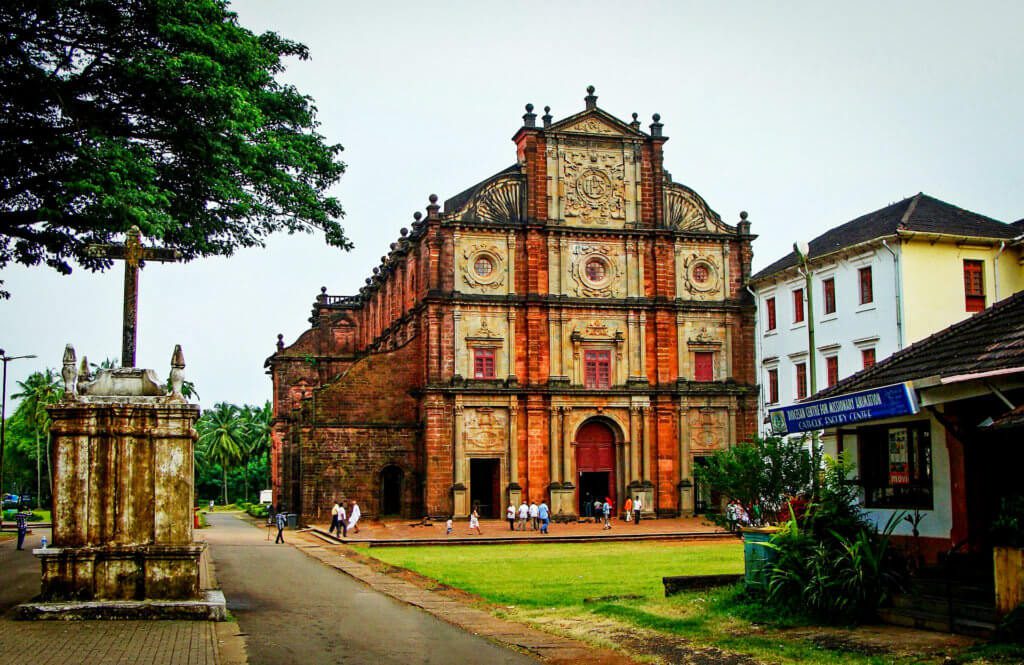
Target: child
[(448, 527)]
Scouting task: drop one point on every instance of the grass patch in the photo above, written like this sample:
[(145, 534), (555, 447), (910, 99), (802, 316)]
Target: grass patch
[(545, 585), (561, 574)]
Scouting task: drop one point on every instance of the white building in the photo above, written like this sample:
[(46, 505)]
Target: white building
[(880, 282)]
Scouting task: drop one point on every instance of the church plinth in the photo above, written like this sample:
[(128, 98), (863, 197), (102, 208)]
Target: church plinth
[(122, 500)]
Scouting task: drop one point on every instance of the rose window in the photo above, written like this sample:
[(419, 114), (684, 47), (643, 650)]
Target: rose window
[(483, 266), (596, 270), (701, 274)]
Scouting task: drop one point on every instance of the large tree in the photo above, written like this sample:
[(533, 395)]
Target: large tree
[(159, 113), (221, 439), (36, 392)]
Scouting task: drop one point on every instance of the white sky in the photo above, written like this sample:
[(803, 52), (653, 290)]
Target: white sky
[(804, 114)]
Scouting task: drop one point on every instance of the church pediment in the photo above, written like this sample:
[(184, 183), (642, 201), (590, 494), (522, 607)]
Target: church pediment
[(685, 210), (595, 122)]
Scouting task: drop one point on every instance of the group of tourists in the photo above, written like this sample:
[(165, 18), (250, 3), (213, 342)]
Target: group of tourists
[(537, 517), (342, 520), (601, 510)]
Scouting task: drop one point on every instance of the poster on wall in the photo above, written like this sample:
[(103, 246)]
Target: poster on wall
[(899, 472)]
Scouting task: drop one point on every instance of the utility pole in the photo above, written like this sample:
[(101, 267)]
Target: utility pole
[(3, 423), (803, 250)]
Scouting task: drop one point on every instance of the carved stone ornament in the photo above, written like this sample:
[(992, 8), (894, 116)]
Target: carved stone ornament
[(498, 200), (485, 430), (701, 276), (707, 428), (595, 271), (68, 372), (484, 332), (592, 125), (483, 266), (685, 210), (596, 329), (594, 185), (703, 337)]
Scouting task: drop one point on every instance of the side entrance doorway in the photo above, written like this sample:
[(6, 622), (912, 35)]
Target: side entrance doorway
[(595, 464), (391, 478), (485, 486)]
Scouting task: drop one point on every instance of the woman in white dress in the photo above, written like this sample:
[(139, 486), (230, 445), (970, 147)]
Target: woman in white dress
[(353, 517), (474, 522)]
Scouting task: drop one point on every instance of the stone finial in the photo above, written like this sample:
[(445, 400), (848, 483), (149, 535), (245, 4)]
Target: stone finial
[(656, 125), (323, 294), (636, 122), (743, 228), (591, 98), (69, 372), (433, 210), (403, 231), (177, 372), (280, 342), (84, 373), (547, 116), (529, 118)]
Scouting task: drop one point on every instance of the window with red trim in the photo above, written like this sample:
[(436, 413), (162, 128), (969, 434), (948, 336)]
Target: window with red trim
[(867, 357), (773, 386), (832, 370), (769, 308), (867, 290), (801, 380), (597, 369), (974, 286), (483, 364), (704, 366), (828, 291), (798, 305)]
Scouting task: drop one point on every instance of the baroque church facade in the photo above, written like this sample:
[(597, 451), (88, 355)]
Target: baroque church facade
[(575, 326)]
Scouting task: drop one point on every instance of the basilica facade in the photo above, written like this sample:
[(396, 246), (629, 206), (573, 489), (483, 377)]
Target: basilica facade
[(574, 326)]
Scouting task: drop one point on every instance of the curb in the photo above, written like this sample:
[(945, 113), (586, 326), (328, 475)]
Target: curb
[(521, 540)]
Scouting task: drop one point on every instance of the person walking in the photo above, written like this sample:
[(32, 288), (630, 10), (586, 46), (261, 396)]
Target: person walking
[(21, 518), (544, 516), (628, 509), (474, 522), (334, 520), (534, 521), (280, 520), (606, 512), (342, 520), (524, 515), (353, 517), (588, 508), (510, 515), (638, 505)]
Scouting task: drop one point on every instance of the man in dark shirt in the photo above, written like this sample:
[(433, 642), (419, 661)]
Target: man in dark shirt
[(281, 520), (22, 519)]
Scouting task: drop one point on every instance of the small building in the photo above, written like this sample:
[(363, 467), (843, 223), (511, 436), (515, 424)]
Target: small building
[(574, 326), (880, 283), (934, 430)]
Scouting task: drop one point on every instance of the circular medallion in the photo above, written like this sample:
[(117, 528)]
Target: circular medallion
[(594, 185), (483, 266)]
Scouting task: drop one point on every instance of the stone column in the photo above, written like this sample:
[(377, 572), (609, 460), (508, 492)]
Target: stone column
[(567, 446), (515, 491), (510, 341), (643, 345), (634, 444), (460, 494), (685, 484), (563, 263), (511, 270), (461, 368), (554, 458), (648, 484)]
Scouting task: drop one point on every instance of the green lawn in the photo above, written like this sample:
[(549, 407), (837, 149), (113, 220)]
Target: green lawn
[(545, 585), (561, 574)]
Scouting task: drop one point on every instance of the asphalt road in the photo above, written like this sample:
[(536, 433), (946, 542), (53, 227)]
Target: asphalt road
[(293, 609), (20, 569)]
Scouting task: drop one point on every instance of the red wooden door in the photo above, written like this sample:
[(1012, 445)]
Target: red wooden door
[(595, 451)]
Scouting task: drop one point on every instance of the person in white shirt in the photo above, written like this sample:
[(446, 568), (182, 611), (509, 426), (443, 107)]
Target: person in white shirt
[(342, 520), (510, 515), (534, 512), (353, 520), (334, 520), (638, 505), (524, 514)]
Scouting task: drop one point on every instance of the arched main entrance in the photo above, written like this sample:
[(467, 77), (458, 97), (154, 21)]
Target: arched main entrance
[(391, 478), (595, 463)]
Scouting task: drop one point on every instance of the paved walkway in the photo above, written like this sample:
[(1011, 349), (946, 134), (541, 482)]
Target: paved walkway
[(293, 609), (89, 642), (408, 532)]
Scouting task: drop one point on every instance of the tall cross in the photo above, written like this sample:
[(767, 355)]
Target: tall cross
[(134, 256)]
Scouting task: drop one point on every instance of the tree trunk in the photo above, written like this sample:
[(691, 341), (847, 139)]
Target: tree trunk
[(245, 480), (39, 471), (224, 470)]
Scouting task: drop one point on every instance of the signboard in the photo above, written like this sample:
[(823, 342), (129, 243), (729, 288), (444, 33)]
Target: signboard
[(899, 471), (898, 399), (266, 496)]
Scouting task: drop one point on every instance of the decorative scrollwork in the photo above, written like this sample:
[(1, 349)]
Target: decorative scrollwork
[(685, 210), (498, 201)]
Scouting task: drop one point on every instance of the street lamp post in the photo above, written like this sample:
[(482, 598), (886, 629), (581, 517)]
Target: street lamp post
[(3, 423), (803, 251)]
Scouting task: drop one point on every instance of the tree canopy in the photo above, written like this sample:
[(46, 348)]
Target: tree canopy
[(164, 114)]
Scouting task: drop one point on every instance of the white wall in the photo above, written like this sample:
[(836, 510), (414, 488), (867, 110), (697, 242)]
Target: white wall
[(844, 333)]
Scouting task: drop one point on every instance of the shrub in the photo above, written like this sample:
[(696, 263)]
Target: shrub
[(257, 510), (1008, 527)]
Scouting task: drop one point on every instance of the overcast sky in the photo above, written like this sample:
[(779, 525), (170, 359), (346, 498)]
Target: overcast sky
[(804, 114)]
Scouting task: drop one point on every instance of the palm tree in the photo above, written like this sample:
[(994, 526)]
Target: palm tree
[(221, 438), (37, 391), (257, 435)]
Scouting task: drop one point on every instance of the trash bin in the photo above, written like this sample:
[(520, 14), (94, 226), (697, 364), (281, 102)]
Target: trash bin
[(757, 557), (293, 520)]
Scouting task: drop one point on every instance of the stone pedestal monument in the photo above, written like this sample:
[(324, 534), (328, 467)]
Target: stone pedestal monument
[(123, 492)]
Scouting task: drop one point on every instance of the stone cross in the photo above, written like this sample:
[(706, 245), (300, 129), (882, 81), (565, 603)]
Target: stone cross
[(134, 254)]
